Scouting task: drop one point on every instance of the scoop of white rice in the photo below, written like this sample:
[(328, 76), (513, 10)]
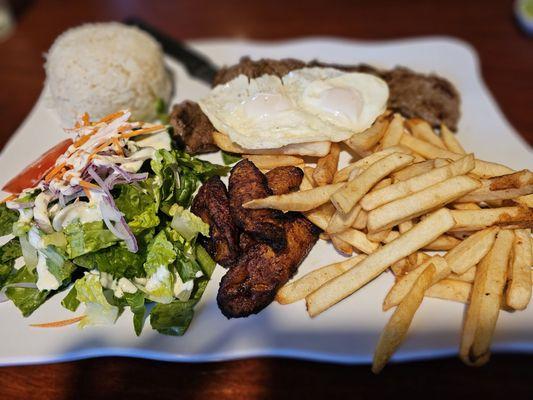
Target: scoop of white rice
[(105, 67)]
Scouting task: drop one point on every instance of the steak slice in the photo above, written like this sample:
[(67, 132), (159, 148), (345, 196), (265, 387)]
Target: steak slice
[(192, 129)]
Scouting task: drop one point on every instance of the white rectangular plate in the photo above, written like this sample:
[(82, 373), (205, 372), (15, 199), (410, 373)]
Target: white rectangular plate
[(349, 331)]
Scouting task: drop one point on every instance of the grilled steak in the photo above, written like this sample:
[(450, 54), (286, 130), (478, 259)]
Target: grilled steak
[(247, 183), (211, 204), (192, 128), (252, 283), (429, 97), (283, 180)]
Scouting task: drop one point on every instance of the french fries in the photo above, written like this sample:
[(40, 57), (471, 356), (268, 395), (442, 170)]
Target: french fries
[(410, 186), (526, 201), (300, 288), (518, 294), (341, 246), (485, 302), (327, 166), (508, 217), (470, 251), (449, 289), (450, 141), (403, 209), (400, 321), (483, 169), (467, 276), (343, 174), (360, 220), (269, 162), (321, 216), (502, 188), (413, 170), (362, 142), (403, 285), (416, 238), (346, 198), (422, 130), (443, 243), (394, 132), (312, 149), (340, 221), (296, 201), (358, 240)]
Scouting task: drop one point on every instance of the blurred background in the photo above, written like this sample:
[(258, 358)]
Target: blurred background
[(28, 28)]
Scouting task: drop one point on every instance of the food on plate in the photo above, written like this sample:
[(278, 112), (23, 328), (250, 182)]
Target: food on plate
[(485, 301), (211, 204), (110, 216), (307, 105), (253, 282), (412, 94), (267, 162), (283, 180), (247, 183), (103, 67), (192, 128), (518, 294)]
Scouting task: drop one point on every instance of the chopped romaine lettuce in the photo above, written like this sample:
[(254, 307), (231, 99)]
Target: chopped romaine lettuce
[(87, 238), (7, 219), (187, 224), (159, 285), (230, 158), (26, 298), (10, 251), (138, 308), (70, 301), (98, 310)]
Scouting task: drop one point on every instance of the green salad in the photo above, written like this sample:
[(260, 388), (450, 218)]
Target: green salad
[(109, 226)]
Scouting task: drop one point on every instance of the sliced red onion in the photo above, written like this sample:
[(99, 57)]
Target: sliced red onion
[(110, 214)]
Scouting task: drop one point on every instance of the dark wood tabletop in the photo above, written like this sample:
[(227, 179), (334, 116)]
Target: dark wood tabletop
[(507, 66)]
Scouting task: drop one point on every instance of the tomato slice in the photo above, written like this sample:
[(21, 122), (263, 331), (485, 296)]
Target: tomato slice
[(34, 172)]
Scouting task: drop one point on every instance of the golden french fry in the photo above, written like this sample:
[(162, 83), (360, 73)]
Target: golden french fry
[(507, 217), (273, 161), (341, 246), (483, 169), (449, 289), (393, 235), (300, 288), (526, 201), (450, 140), (466, 206), (312, 149), (382, 184), (485, 302), (378, 237), (422, 130), (518, 294), (412, 170), (403, 285), (308, 182), (470, 251), (443, 243), (400, 321), (419, 203), (358, 240), (343, 174), (321, 216), (346, 198), (340, 221), (468, 276), (410, 186), (502, 188), (296, 201), (405, 226), (362, 142), (344, 285), (394, 132), (327, 166), (360, 221)]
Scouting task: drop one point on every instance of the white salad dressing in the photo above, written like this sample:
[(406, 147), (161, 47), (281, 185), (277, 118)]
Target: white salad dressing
[(45, 279), (84, 212)]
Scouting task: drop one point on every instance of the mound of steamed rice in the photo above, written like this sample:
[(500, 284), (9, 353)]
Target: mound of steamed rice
[(105, 67)]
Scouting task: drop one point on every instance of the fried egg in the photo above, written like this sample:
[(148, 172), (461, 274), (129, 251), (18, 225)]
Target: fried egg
[(307, 105)]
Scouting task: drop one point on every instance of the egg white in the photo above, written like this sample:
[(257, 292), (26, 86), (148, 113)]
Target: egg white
[(269, 112)]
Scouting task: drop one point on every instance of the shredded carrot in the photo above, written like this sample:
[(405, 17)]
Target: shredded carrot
[(101, 147), (143, 131), (9, 198), (85, 119), (83, 139), (88, 185), (87, 192), (118, 147), (57, 324), (53, 172), (111, 117)]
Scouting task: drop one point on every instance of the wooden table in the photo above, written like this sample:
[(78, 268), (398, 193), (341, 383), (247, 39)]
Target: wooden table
[(507, 66)]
